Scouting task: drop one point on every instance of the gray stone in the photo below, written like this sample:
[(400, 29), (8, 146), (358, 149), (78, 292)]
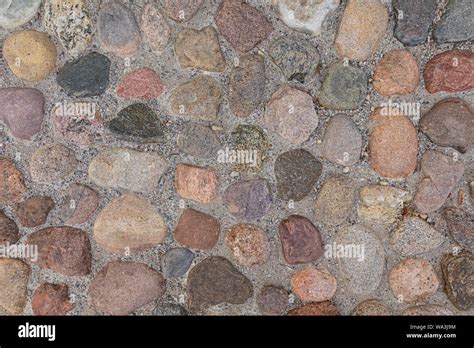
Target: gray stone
[(14, 13), (413, 20), (198, 140), (248, 199), (176, 262), (461, 227), (169, 309), (457, 23), (137, 120)]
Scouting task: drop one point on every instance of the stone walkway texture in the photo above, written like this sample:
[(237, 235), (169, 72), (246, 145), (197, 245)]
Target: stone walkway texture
[(236, 157)]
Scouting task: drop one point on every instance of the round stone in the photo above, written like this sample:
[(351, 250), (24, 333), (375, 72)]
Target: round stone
[(79, 203), (22, 111), (64, 250), (457, 23), (371, 308), (313, 284), (137, 120), (300, 240), (198, 140), (169, 309), (87, 76), (17, 12), (196, 183), (413, 280), (155, 29), (141, 83), (315, 309), (176, 262), (291, 113), (30, 55), (52, 163), (197, 230), (51, 299), (458, 273), (248, 199), (14, 275), (122, 287), (344, 87), (461, 227), (396, 74), (272, 300), (414, 20), (128, 223), (296, 172), (12, 184), (215, 280), (248, 244), (427, 310), (249, 149), (181, 10), (342, 141), (8, 230), (117, 30), (34, 211)]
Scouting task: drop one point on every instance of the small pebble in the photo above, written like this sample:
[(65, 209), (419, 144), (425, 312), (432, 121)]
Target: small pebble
[(176, 262)]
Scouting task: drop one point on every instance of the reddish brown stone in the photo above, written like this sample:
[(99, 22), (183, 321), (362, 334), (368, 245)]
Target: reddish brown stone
[(272, 300), (300, 240), (80, 202), (248, 243), (65, 250), (197, 230), (196, 183), (450, 71), (315, 309), (141, 83), (12, 183), (34, 211), (51, 299), (313, 284), (8, 230)]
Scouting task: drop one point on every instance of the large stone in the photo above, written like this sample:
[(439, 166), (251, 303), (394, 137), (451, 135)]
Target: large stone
[(198, 140), (30, 54), (122, 287), (141, 83), (79, 204), (14, 276), (215, 280), (34, 211), (361, 29), (8, 230), (450, 71), (63, 249), (461, 227), (123, 168), (248, 244), (197, 230), (242, 25), (137, 120), (129, 223), (291, 113), (457, 23), (450, 122), (117, 30), (199, 49), (196, 183), (22, 111), (52, 163), (458, 273), (438, 176), (313, 284), (413, 20), (393, 143), (300, 240), (17, 12), (248, 199), (51, 299), (12, 184), (155, 29), (181, 10)]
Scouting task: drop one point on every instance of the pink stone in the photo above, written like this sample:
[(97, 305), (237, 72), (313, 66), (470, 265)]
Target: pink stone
[(142, 83)]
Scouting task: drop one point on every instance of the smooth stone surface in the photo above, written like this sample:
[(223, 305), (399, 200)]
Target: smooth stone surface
[(450, 71), (248, 244), (344, 87), (156, 31), (34, 211), (198, 140), (371, 307), (313, 284), (51, 299), (438, 176), (128, 223), (334, 201), (70, 22), (17, 12), (413, 280), (296, 172), (123, 168), (14, 276), (181, 10), (141, 83), (52, 163), (414, 236), (12, 182), (215, 280), (30, 54), (291, 114), (87, 76), (362, 28), (393, 143), (242, 25), (248, 199), (196, 183), (117, 30), (305, 16), (450, 122), (427, 310), (396, 73), (297, 59), (63, 249), (79, 204), (461, 227), (176, 262), (22, 111), (196, 229), (361, 273), (342, 141), (458, 273), (413, 20), (300, 240), (272, 300), (122, 287), (250, 146), (137, 120), (246, 85), (457, 23), (324, 308), (198, 98), (199, 49), (8, 230)]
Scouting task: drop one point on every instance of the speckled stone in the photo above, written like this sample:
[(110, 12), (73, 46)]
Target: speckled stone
[(8, 230), (196, 229), (18, 12), (52, 163), (215, 280), (296, 172), (413, 20), (313, 284), (196, 183), (14, 276), (141, 83), (250, 146), (12, 184), (458, 273), (169, 309), (181, 10), (457, 23), (315, 309), (176, 262), (156, 31), (137, 120), (122, 287), (248, 244), (248, 199), (427, 310), (79, 203), (51, 299), (371, 307), (198, 140), (461, 227), (272, 300), (34, 211)]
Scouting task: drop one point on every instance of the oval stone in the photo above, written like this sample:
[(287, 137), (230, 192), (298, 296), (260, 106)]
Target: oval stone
[(8, 230), (196, 229), (313, 284), (12, 184), (248, 199), (52, 163), (14, 276), (458, 273)]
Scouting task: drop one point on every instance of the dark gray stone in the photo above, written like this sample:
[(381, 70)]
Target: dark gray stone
[(137, 120), (176, 262), (198, 140), (457, 24), (169, 309), (413, 20)]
